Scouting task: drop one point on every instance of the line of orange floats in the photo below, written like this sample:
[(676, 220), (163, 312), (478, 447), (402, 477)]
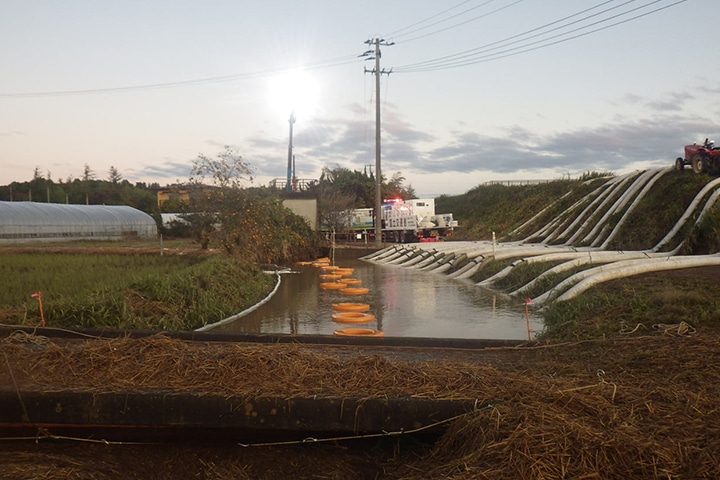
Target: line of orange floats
[(338, 279)]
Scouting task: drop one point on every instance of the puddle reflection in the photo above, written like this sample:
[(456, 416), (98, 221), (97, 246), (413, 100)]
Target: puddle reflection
[(405, 302)]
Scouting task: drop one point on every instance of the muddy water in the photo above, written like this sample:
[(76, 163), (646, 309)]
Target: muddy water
[(405, 302)]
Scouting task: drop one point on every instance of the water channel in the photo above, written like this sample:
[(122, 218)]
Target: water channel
[(405, 302)]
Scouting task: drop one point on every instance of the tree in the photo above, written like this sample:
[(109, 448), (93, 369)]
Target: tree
[(246, 222), (227, 170), (114, 175), (76, 191), (351, 183), (334, 209), (395, 188), (341, 190), (214, 195), (361, 185), (88, 174)]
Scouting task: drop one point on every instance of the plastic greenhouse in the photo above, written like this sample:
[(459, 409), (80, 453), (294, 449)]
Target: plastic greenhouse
[(31, 221)]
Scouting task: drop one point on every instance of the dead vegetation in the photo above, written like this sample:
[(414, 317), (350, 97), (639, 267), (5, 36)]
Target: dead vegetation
[(635, 406)]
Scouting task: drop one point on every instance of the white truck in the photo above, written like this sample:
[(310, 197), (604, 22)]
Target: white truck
[(405, 221)]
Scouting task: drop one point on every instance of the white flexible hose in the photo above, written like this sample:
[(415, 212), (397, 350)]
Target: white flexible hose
[(687, 214), (648, 185), (599, 224), (627, 269), (441, 257), (596, 257), (231, 318)]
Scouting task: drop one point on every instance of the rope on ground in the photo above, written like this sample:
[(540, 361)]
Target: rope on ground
[(50, 329), (384, 433), (601, 383), (44, 434), (625, 328), (681, 329), (21, 336)]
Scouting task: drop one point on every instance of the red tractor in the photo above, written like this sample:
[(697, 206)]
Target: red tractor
[(704, 158)]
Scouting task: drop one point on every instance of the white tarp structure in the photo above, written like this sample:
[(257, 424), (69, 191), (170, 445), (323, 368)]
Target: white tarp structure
[(32, 221)]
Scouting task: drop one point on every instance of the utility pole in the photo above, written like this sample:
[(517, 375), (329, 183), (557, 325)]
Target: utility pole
[(375, 55), (290, 166)]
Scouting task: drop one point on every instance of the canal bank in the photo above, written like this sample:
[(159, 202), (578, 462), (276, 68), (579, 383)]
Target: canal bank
[(610, 408), (185, 385)]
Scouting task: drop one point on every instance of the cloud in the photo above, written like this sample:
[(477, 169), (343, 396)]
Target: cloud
[(675, 101), (709, 91), (11, 133), (651, 133), (169, 171), (611, 146), (672, 101)]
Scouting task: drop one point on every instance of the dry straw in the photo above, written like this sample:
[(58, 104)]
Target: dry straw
[(631, 407)]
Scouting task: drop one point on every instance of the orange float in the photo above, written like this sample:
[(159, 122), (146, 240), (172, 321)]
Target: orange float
[(354, 290), (345, 272), (352, 281), (359, 332), (331, 276), (353, 317), (333, 285), (350, 307), (329, 268), (304, 263)]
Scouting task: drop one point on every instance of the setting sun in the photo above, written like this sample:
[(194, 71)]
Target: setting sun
[(293, 91)]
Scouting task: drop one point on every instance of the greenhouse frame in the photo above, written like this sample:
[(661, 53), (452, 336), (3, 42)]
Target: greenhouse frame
[(33, 221)]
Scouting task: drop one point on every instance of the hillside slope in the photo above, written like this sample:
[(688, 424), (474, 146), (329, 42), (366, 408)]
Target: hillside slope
[(517, 212)]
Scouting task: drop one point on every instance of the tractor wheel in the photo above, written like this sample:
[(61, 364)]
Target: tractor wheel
[(699, 164), (679, 164)]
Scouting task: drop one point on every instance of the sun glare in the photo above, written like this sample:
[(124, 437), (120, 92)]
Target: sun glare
[(294, 91)]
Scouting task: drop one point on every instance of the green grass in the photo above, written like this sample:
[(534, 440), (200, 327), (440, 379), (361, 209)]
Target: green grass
[(657, 213), (489, 268), (127, 291), (523, 274), (503, 209), (642, 302), (64, 275), (498, 208)]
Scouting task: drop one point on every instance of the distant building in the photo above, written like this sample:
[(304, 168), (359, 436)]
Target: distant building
[(172, 194), (306, 208), (36, 222)]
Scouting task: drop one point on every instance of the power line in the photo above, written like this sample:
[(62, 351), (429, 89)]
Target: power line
[(333, 62), (460, 59), (467, 53), (532, 46), (396, 32), (464, 22), (396, 35)]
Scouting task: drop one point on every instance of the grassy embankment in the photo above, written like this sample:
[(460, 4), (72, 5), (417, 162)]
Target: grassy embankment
[(176, 292), (129, 291), (621, 305)]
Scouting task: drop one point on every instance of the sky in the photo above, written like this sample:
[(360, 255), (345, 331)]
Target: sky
[(472, 91)]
